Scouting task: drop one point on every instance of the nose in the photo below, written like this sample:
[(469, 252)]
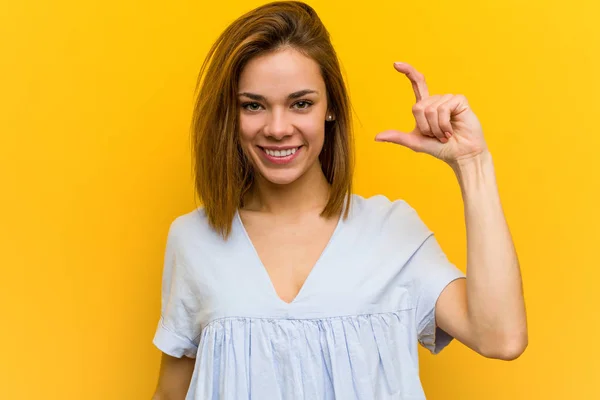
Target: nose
[(278, 125)]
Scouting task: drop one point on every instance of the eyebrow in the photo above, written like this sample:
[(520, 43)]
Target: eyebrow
[(291, 96)]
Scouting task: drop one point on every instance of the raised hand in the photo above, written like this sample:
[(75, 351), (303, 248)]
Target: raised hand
[(446, 127)]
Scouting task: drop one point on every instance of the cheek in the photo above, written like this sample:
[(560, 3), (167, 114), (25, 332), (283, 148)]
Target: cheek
[(248, 129), (314, 130)]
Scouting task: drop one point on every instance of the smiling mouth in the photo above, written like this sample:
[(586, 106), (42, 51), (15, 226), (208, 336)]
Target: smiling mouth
[(280, 153)]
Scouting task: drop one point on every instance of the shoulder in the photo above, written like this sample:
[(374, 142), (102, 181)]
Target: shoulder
[(377, 204), (395, 218), (381, 208), (194, 221), (192, 228), (193, 242)]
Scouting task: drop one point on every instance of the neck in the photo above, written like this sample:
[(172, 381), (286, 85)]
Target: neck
[(307, 193)]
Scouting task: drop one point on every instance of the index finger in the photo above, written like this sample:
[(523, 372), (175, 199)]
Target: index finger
[(416, 79)]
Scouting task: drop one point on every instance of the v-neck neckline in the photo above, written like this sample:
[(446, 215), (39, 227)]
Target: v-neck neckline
[(263, 270)]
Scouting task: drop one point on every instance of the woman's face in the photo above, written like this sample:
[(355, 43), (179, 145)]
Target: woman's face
[(283, 107)]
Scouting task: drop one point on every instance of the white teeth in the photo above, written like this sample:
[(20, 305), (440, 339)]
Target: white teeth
[(280, 153)]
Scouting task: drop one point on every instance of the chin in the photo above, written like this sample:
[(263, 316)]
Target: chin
[(281, 177)]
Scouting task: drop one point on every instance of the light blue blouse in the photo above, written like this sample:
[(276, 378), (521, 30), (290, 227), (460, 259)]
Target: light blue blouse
[(351, 333)]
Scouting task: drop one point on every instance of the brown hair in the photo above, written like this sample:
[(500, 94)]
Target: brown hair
[(222, 173)]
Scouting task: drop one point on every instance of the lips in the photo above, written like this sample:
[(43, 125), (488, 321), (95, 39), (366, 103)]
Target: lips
[(280, 155), (280, 152)]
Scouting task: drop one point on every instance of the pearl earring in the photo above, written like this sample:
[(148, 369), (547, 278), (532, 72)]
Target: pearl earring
[(330, 117)]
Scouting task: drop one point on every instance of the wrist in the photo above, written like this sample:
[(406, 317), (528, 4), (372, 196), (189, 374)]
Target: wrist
[(470, 162), (474, 171)]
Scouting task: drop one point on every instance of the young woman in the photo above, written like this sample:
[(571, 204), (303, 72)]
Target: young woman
[(284, 284)]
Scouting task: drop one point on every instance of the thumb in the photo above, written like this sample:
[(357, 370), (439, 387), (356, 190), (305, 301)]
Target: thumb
[(413, 140)]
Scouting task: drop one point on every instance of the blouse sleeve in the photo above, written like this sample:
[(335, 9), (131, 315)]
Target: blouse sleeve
[(432, 272), (429, 272), (177, 332)]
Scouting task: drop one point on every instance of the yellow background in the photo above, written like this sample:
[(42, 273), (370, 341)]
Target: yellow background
[(95, 105)]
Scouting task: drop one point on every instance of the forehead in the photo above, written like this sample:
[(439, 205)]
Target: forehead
[(281, 73)]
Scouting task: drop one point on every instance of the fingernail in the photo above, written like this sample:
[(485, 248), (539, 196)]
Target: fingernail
[(397, 63), (448, 134)]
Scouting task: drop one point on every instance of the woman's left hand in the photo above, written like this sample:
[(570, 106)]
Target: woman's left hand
[(436, 117)]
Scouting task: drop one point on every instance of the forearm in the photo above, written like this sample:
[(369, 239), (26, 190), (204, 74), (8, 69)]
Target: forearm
[(174, 377), (496, 308)]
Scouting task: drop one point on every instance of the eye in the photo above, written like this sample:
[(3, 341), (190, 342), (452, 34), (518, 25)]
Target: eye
[(251, 106), (303, 104)]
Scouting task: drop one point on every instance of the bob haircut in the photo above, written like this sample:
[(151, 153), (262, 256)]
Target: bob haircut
[(222, 173)]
